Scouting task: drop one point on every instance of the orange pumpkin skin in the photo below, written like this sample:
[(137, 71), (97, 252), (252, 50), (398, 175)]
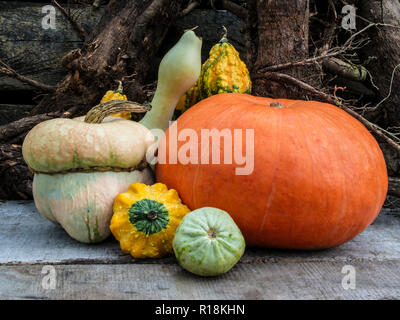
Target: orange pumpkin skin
[(319, 176)]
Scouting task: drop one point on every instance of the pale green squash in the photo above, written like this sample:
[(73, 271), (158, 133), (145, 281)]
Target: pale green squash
[(207, 242), (82, 202), (178, 72)]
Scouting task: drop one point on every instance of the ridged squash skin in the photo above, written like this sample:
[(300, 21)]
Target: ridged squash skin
[(190, 98), (222, 72), (318, 176), (208, 242), (145, 219), (68, 144)]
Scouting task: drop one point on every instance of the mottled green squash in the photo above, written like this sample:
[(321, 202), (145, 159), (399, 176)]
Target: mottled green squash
[(207, 242)]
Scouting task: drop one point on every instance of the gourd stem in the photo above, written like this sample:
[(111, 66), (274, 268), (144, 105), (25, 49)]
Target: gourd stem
[(212, 234), (105, 109), (151, 215), (120, 88), (276, 104), (225, 35)]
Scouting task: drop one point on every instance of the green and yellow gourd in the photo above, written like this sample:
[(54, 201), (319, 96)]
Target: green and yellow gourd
[(81, 164), (222, 72), (145, 219)]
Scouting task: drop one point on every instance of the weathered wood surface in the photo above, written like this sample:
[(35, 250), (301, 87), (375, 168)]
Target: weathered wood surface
[(48, 243), (102, 271), (12, 112), (35, 52), (275, 280)]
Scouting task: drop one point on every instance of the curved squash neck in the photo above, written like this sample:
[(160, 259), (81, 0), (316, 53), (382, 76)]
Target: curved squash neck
[(177, 73), (162, 108)]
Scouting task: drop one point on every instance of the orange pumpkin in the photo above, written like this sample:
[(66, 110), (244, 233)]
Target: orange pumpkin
[(319, 176)]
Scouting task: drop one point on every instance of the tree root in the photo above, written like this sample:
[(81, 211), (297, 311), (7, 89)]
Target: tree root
[(232, 8), (22, 126), (81, 32), (7, 70), (15, 177)]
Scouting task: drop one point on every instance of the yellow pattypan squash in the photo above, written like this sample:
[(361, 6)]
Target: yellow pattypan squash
[(145, 219), (117, 95)]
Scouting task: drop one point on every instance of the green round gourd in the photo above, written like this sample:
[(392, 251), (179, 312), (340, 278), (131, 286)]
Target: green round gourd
[(207, 242)]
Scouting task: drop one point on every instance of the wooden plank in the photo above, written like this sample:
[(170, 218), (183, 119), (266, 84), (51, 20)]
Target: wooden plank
[(28, 238), (12, 112), (34, 51), (46, 242), (102, 271), (273, 280)]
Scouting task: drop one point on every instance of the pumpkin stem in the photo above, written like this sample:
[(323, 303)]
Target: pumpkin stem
[(105, 109), (276, 104)]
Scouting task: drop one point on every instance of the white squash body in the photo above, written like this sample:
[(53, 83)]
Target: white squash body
[(82, 202)]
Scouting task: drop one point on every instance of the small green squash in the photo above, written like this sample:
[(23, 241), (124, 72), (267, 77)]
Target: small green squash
[(207, 242)]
